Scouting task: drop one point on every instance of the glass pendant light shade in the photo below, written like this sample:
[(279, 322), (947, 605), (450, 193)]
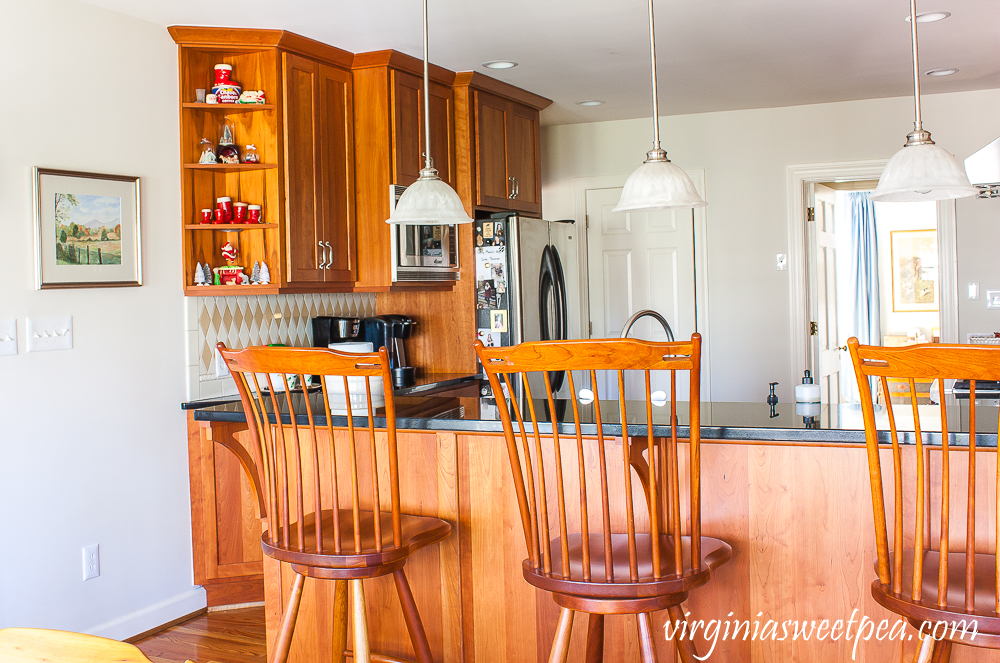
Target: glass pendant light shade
[(429, 201), (658, 185), (922, 172)]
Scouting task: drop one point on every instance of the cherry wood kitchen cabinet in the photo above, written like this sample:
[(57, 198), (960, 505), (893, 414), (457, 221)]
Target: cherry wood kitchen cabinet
[(389, 139), (304, 183), (319, 172), (504, 133)]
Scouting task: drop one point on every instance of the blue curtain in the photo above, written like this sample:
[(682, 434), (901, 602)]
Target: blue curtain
[(864, 270)]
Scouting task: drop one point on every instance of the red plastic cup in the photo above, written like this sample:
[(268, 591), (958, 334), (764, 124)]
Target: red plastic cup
[(207, 216), (225, 203), (239, 212), (254, 214), (220, 215)]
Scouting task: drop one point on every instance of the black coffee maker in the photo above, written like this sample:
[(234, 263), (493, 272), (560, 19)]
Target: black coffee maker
[(390, 331), (329, 329)]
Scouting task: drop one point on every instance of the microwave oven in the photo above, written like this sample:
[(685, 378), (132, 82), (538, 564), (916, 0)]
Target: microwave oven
[(422, 253)]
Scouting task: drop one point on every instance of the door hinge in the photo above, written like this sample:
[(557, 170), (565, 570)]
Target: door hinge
[(586, 221), (810, 214), (814, 329), (590, 328)]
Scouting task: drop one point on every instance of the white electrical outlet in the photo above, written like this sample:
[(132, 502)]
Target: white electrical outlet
[(54, 333), (91, 561), (221, 368), (781, 262), (8, 337)]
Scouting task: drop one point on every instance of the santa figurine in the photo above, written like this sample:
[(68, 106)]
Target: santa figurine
[(229, 253)]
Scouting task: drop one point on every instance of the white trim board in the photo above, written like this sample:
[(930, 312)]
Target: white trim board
[(580, 187), (150, 617), (797, 176)]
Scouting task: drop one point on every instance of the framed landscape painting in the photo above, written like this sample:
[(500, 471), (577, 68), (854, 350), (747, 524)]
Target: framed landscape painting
[(86, 230), (914, 270)]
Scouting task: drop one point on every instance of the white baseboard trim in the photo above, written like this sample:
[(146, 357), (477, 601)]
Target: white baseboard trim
[(152, 616)]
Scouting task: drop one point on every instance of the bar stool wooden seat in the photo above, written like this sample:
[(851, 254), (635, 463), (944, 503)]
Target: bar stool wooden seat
[(298, 474), (582, 524), (956, 584)]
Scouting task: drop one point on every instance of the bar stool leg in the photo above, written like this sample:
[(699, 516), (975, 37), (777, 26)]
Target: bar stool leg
[(340, 610), (284, 642), (942, 652), (925, 650), (361, 652), (595, 639), (647, 648), (685, 646), (560, 646), (413, 624)]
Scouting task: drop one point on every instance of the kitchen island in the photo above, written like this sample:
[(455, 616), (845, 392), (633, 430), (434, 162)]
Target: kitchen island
[(790, 494)]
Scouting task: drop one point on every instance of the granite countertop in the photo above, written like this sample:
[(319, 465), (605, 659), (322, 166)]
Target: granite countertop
[(453, 403)]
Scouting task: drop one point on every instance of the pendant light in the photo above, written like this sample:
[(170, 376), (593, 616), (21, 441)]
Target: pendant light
[(921, 170), (429, 200), (657, 184)]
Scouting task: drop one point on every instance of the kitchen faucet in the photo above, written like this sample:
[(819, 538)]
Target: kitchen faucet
[(652, 314)]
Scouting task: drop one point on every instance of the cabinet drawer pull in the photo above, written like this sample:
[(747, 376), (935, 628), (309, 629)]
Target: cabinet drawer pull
[(329, 256), (322, 260), (517, 187), (511, 193)]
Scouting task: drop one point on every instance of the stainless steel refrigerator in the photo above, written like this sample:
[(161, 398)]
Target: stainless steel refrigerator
[(527, 281)]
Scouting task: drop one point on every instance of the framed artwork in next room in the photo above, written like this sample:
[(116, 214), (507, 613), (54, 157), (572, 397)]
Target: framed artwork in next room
[(86, 230), (914, 270)]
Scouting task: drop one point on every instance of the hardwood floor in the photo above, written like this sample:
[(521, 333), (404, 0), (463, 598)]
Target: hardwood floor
[(225, 636)]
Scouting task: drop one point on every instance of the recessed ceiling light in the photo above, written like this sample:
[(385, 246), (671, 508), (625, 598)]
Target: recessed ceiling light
[(590, 102), (930, 17), (500, 64), (941, 72)]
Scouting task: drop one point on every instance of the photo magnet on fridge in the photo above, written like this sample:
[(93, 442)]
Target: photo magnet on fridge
[(498, 320)]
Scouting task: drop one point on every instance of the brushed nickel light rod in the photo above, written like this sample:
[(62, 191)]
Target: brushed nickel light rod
[(917, 124), (652, 58), (428, 160)]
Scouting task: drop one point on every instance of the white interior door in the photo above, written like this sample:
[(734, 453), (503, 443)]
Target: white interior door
[(823, 294), (636, 261)]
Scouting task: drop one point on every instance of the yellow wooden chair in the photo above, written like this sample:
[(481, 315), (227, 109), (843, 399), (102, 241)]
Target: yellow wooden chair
[(38, 645)]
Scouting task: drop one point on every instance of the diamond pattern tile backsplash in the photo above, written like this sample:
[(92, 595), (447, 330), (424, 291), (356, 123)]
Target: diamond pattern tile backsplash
[(243, 321)]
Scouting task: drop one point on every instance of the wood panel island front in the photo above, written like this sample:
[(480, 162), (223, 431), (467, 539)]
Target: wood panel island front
[(790, 494)]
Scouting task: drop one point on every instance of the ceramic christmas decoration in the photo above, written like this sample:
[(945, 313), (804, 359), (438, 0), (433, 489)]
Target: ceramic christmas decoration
[(265, 274), (250, 154), (254, 214), (225, 203), (207, 152), (207, 215), (226, 91), (211, 99), (252, 97), (239, 212), (244, 279), (229, 253), (199, 275)]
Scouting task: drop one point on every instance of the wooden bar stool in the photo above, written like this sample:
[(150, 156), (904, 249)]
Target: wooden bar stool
[(317, 518), (916, 581), (584, 544)]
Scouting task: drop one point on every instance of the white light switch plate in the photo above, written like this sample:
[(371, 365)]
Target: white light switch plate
[(781, 261), (8, 337), (53, 333), (993, 299)]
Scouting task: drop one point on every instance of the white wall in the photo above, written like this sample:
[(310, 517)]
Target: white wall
[(92, 441), (745, 155)]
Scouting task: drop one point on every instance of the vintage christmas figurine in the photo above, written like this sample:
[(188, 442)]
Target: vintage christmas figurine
[(207, 151), (252, 97), (229, 253)]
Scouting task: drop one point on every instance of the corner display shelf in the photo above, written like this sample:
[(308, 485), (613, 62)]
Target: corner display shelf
[(255, 67)]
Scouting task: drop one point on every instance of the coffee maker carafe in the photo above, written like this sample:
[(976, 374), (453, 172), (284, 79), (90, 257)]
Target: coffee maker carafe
[(390, 331)]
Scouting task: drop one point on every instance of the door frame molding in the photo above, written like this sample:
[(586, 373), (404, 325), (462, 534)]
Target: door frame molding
[(580, 187), (798, 176)]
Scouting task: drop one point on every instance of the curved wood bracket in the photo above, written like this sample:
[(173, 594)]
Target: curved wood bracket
[(249, 466)]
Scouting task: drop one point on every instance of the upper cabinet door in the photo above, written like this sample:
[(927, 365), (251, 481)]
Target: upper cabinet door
[(336, 149), (304, 222), (491, 151), (408, 129), (507, 154), (523, 158)]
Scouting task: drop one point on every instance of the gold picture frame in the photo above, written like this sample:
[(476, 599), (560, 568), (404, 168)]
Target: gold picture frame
[(915, 281), (87, 230)]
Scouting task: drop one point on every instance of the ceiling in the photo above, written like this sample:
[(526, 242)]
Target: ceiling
[(713, 54)]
